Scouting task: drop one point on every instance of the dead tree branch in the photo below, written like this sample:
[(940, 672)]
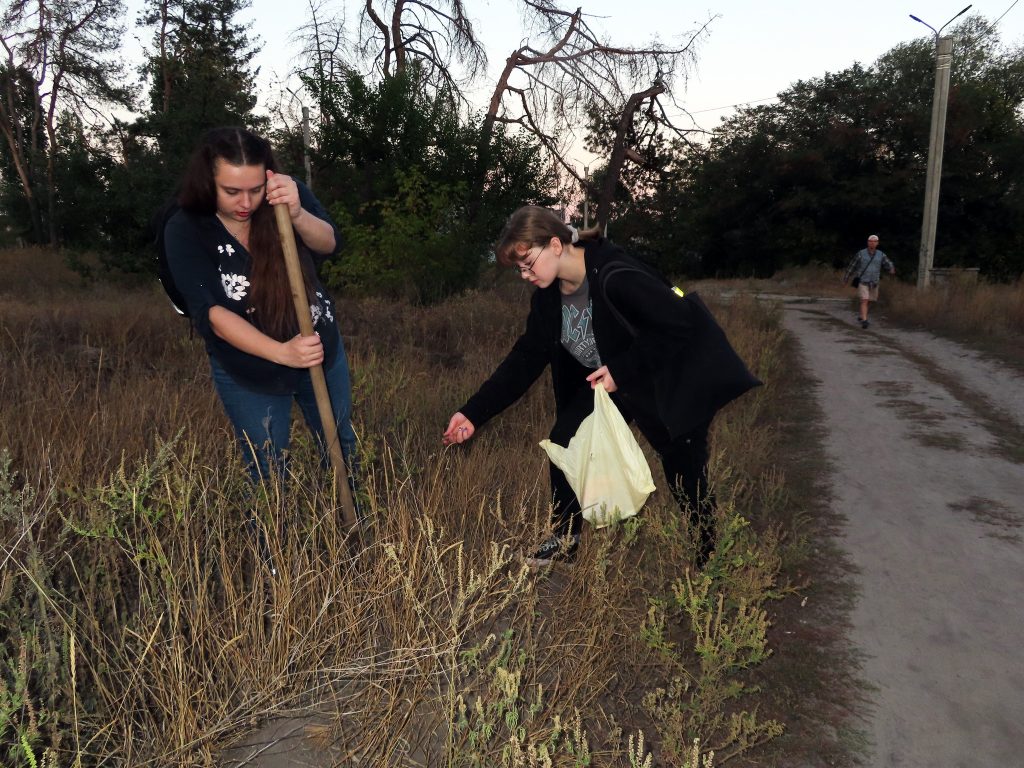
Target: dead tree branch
[(323, 44), (548, 86), (436, 35)]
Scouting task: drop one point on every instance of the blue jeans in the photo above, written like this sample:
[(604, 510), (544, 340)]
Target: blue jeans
[(263, 423)]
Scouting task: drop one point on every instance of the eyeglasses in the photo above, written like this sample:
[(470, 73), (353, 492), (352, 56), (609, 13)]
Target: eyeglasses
[(527, 269)]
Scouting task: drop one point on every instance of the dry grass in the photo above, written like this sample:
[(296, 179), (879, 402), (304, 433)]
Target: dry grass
[(962, 307), (812, 280), (987, 316), (140, 628)]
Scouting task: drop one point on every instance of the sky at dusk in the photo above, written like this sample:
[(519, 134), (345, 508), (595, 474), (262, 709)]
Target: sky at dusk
[(754, 48)]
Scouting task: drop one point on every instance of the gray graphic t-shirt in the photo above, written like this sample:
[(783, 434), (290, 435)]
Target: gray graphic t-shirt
[(577, 332)]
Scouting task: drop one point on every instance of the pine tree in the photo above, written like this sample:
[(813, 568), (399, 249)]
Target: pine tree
[(60, 61), (200, 73), (199, 78)]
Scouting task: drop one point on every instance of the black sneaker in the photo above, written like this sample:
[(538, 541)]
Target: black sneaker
[(556, 548), (864, 323)]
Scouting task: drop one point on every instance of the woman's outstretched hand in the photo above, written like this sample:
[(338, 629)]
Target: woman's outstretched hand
[(282, 190), (302, 351), (602, 376), (460, 429)]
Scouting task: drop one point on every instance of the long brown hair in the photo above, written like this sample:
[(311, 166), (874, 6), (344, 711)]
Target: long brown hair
[(533, 225), (270, 296)]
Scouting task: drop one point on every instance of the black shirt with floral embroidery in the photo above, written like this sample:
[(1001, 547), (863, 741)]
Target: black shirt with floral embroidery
[(211, 268)]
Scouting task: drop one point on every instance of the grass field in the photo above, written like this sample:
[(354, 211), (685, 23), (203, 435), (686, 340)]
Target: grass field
[(140, 628)]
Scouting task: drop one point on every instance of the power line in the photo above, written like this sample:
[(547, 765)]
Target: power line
[(1005, 12), (739, 104), (773, 98)]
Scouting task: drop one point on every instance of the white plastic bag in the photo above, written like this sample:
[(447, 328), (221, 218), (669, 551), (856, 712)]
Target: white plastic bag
[(604, 465)]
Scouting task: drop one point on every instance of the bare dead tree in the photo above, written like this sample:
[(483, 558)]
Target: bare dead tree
[(436, 35), (324, 45), (622, 149), (548, 85), (59, 56)]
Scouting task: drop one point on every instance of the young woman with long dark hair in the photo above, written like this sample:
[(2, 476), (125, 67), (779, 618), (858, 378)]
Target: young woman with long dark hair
[(225, 256), (600, 316)]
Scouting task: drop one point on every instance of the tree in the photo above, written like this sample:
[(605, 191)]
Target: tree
[(545, 88), (199, 78), (59, 57), (25, 141), (433, 35), (548, 86), (83, 168), (393, 158), (843, 155), (324, 55), (199, 73), (637, 134)]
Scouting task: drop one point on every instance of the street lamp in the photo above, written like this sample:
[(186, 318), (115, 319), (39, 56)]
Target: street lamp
[(939, 31), (929, 222)]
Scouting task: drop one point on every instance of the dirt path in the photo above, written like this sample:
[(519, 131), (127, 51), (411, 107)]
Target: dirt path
[(927, 441)]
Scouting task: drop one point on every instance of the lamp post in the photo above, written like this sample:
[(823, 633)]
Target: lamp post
[(930, 218)]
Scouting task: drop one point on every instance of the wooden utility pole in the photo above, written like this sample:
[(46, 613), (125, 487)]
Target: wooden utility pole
[(305, 147), (930, 217)]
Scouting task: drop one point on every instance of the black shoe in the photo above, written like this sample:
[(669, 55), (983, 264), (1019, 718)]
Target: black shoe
[(556, 548), (864, 323)]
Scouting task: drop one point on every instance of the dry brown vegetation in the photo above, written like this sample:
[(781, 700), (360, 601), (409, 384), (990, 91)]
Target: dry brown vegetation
[(989, 316), (139, 628), (985, 315)]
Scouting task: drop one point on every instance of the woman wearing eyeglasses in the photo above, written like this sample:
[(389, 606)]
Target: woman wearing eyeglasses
[(599, 315)]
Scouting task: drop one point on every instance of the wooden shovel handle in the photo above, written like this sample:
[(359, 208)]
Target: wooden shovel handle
[(323, 398)]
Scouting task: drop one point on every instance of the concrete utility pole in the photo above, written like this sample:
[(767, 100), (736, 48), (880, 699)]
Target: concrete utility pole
[(940, 98)]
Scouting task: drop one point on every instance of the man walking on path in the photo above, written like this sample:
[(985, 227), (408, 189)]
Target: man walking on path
[(865, 270)]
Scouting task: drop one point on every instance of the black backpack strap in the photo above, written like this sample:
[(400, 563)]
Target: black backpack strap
[(872, 261), (603, 277), (618, 268), (208, 231)]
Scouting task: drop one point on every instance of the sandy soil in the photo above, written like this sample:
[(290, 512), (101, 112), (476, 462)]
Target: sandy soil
[(927, 440)]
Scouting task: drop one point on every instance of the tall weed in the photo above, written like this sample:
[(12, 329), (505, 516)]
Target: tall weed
[(142, 623)]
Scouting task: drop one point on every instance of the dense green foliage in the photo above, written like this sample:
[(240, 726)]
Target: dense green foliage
[(199, 78), (841, 156), (60, 68), (395, 161)]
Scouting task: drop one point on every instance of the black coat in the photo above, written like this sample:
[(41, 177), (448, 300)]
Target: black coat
[(210, 267), (671, 361)]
